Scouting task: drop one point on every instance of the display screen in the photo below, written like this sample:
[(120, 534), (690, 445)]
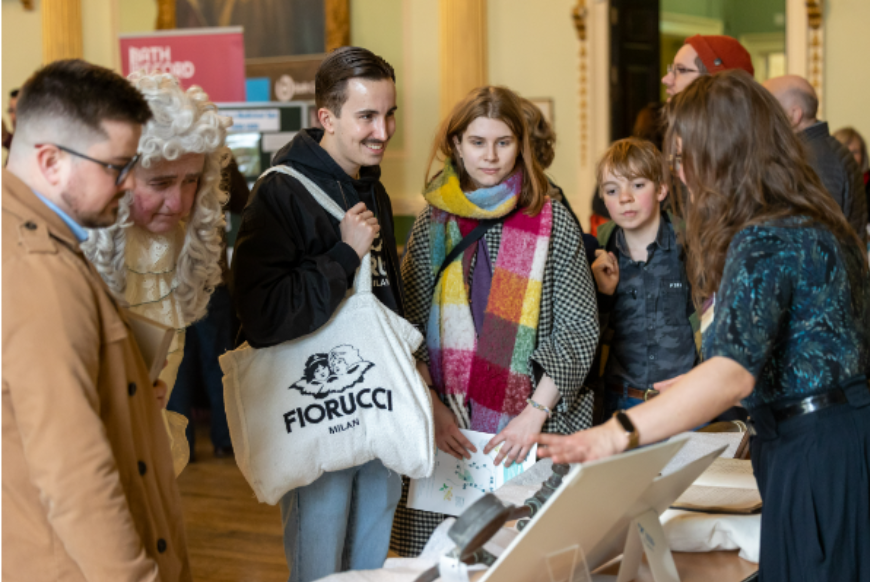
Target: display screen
[(246, 150)]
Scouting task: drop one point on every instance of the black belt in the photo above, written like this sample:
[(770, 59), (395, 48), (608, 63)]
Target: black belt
[(764, 420), (810, 404)]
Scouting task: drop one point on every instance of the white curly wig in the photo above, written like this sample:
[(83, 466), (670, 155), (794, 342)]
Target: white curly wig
[(184, 122)]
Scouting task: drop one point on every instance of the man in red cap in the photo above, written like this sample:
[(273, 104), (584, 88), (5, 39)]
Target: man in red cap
[(705, 55)]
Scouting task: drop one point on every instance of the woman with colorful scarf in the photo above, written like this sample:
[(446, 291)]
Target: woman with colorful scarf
[(508, 342)]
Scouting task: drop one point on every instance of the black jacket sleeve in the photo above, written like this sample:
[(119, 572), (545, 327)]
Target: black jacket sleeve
[(290, 268)]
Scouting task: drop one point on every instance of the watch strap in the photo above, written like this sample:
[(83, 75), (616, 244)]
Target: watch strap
[(629, 428)]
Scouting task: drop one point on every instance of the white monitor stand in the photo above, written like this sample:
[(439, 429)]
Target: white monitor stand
[(584, 509), (640, 529)]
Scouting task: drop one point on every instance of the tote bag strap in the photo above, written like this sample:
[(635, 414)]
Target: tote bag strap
[(362, 283)]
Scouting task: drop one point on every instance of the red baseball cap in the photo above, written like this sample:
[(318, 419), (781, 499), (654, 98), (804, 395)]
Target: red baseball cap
[(720, 53)]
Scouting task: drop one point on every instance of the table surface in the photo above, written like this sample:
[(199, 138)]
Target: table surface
[(691, 566), (696, 567)]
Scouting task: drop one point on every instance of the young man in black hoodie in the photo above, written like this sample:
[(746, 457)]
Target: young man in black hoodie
[(293, 265)]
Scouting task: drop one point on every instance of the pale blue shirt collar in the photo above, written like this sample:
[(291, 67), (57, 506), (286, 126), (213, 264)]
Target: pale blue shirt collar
[(80, 233)]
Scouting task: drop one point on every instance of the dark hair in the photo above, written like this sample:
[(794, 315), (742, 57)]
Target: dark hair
[(14, 93), (649, 124), (744, 165), (82, 93), (541, 133), (702, 68), (340, 66), (313, 363), (495, 103)]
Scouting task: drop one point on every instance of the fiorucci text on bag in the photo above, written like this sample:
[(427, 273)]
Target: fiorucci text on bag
[(333, 399)]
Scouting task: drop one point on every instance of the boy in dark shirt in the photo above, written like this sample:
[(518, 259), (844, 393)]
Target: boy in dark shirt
[(648, 321)]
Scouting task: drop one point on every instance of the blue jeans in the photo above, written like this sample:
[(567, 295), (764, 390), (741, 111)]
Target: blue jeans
[(614, 402), (340, 522)]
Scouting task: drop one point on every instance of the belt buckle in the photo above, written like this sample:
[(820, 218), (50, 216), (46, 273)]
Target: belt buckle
[(651, 393)]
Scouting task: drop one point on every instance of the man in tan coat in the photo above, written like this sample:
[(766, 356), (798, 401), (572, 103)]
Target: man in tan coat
[(88, 486)]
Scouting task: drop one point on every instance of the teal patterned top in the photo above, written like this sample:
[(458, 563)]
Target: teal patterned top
[(792, 308)]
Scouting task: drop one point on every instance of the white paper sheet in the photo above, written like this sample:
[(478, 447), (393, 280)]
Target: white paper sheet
[(457, 483), (700, 444)]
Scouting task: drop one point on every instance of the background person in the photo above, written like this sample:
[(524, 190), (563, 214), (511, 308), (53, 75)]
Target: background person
[(849, 137), (89, 490), (785, 331), (705, 54), (13, 103), (12, 110), (163, 254), (509, 357), (200, 379), (831, 160)]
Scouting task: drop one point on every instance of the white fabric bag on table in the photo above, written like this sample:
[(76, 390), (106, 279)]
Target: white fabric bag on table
[(336, 398)]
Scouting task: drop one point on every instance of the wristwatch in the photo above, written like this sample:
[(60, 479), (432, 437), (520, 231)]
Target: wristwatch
[(628, 427)]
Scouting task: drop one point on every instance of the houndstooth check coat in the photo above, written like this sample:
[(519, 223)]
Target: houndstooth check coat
[(566, 341)]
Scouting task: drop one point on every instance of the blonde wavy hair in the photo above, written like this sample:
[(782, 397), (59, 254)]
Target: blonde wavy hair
[(184, 122)]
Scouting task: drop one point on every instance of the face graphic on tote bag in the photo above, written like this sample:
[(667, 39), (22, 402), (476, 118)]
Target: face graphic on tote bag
[(331, 373), (335, 372)]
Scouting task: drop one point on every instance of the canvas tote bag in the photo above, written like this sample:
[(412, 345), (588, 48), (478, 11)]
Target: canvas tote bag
[(336, 398)]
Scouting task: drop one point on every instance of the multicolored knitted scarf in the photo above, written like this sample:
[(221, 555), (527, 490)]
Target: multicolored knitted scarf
[(485, 379)]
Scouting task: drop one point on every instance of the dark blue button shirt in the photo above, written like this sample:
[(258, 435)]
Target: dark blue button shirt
[(652, 335)]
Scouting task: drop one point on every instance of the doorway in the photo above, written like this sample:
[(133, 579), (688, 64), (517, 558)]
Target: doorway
[(645, 35)]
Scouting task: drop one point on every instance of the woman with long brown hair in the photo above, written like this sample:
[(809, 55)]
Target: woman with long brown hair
[(508, 342), (785, 285)]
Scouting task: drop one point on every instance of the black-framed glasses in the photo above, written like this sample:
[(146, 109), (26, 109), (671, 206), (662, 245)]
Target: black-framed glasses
[(680, 70), (123, 171)]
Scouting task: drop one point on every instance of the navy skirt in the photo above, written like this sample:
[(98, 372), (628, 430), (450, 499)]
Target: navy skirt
[(813, 472)]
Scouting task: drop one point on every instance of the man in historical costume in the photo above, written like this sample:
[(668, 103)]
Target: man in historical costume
[(89, 490), (163, 253)]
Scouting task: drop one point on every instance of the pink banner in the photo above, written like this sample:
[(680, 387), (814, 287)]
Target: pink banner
[(213, 58)]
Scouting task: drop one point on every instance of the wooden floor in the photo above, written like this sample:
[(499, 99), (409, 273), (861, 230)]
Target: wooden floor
[(230, 536)]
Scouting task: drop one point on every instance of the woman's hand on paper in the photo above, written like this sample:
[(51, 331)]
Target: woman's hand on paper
[(448, 437), (587, 445), (518, 437)]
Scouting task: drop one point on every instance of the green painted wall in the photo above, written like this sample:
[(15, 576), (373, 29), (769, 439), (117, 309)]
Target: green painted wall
[(753, 16), (705, 8), (377, 26), (405, 33)]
